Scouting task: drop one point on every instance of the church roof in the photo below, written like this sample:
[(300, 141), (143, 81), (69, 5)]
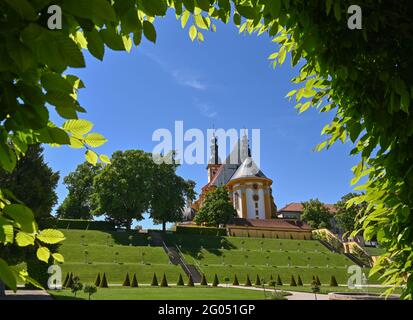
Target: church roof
[(248, 169)]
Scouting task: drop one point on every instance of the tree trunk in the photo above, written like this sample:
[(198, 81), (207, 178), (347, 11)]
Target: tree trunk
[(163, 226), (2, 289)]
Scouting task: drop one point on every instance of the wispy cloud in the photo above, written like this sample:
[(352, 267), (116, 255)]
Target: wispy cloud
[(184, 78), (206, 109)]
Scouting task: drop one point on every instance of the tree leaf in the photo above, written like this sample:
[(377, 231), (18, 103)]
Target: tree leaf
[(51, 236), (78, 127), (91, 157), (6, 231), (95, 140), (184, 18), (58, 257), (43, 254), (193, 32), (149, 31), (95, 44), (7, 276), (104, 158), (22, 215), (24, 239), (155, 8)]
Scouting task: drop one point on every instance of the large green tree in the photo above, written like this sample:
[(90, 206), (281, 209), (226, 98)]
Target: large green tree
[(33, 182), (170, 193), (363, 76), (123, 189), (216, 209), (316, 214), (79, 204), (347, 215)]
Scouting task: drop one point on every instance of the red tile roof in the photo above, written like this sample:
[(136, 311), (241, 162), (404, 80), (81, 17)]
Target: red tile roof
[(298, 207), (269, 223)]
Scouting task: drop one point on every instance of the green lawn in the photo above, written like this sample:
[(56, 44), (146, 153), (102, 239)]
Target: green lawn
[(374, 251), (89, 252), (170, 293)]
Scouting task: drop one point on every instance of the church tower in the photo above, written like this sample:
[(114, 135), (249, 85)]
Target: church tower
[(214, 161)]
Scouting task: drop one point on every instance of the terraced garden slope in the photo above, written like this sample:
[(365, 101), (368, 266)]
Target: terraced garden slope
[(227, 256), (89, 252)]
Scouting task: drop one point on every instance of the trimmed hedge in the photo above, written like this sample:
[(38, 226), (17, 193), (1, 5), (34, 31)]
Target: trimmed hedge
[(180, 281), (204, 281), (154, 282), (85, 224), (98, 280), (126, 282), (164, 282), (204, 231), (216, 281), (104, 282), (134, 283)]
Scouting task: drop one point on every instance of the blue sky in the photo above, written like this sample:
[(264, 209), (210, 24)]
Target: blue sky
[(226, 82)]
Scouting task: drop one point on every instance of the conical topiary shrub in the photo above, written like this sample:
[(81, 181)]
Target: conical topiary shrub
[(97, 280), (126, 282), (257, 281), (164, 282), (180, 281), (204, 281), (299, 281), (292, 281), (235, 282), (69, 283), (317, 279), (66, 280), (134, 283), (154, 282), (215, 283), (190, 282), (248, 281), (333, 282), (104, 282), (279, 282)]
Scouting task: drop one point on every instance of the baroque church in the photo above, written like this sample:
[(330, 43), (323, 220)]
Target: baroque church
[(250, 193)]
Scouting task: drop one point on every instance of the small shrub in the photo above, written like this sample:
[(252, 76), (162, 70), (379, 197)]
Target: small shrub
[(76, 285), (299, 281), (103, 282), (292, 282), (190, 282), (126, 282), (257, 281), (164, 282), (248, 281), (317, 279), (154, 282), (333, 282), (180, 281), (134, 283), (235, 282), (97, 280), (90, 289), (272, 283), (279, 282), (215, 283), (204, 281)]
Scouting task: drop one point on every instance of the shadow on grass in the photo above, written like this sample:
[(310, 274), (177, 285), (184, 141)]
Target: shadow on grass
[(194, 244)]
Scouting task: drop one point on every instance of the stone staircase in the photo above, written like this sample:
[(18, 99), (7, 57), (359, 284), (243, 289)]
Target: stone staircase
[(175, 256)]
